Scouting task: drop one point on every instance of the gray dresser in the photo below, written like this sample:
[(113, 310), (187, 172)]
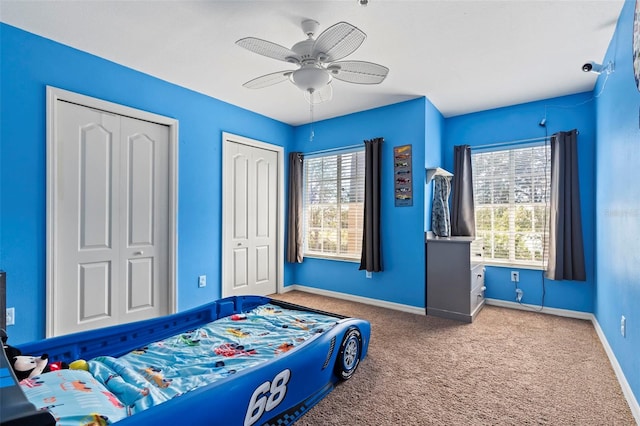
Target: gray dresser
[(455, 277)]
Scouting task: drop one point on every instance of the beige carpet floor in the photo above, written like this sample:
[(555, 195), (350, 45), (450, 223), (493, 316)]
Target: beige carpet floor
[(509, 367)]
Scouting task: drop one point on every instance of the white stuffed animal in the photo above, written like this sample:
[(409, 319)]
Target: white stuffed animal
[(27, 367)]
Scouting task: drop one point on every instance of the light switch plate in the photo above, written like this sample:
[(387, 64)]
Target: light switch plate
[(11, 316)]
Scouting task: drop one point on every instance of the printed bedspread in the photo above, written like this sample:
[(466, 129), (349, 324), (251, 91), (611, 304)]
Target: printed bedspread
[(171, 367)]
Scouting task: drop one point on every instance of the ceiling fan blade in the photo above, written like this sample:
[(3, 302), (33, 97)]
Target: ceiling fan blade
[(320, 95), (338, 41), (268, 49), (359, 72), (268, 80)]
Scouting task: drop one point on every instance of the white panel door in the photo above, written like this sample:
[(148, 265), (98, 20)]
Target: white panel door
[(144, 199), (111, 231), (251, 206)]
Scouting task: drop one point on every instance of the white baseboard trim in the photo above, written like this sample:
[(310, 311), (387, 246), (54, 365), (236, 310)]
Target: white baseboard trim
[(536, 308), (366, 300), (626, 389)]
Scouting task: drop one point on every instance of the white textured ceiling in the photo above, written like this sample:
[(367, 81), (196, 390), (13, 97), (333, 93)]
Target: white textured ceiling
[(464, 56)]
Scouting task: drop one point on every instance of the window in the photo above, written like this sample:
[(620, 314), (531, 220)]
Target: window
[(334, 205), (511, 196)]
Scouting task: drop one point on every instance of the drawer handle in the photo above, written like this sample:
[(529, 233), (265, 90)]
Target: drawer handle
[(479, 275)]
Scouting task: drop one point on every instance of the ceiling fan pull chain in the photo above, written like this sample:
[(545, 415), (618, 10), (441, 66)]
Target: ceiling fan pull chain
[(311, 114)]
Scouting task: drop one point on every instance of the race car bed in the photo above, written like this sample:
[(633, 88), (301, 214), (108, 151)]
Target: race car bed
[(238, 361)]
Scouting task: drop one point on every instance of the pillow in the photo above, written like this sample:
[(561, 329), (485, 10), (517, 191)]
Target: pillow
[(73, 397), (129, 386)]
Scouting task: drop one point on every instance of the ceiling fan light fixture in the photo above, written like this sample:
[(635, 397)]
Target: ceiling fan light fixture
[(310, 78), (318, 60)]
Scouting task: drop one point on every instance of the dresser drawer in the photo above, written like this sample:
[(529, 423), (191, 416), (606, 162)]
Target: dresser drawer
[(477, 277), (476, 251), (476, 299)]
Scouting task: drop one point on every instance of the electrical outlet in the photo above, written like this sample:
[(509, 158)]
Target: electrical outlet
[(519, 294), (367, 274), (515, 276), (202, 281), (11, 316), (623, 326)]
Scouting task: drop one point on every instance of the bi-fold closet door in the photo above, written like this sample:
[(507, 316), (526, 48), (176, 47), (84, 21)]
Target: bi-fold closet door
[(252, 216), (111, 243)]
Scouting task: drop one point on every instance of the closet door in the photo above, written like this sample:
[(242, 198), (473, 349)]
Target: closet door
[(250, 207), (143, 220), (111, 227)]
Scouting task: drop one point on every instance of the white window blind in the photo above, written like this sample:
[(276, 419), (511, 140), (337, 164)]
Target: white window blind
[(334, 205), (511, 196)]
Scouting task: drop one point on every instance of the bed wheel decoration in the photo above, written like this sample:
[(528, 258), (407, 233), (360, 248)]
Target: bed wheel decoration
[(349, 354)]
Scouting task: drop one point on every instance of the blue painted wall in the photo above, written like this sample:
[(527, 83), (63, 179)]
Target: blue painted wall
[(521, 122), (29, 63), (618, 202), (402, 280)]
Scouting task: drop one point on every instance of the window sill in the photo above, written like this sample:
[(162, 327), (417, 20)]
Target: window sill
[(339, 259), (514, 265)]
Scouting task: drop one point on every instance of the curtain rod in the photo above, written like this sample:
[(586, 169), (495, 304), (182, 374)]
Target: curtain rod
[(516, 142), (341, 148)]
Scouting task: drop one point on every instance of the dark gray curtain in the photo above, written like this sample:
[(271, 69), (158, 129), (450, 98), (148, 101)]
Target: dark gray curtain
[(294, 214), (463, 221), (566, 251), (371, 259), (440, 223)]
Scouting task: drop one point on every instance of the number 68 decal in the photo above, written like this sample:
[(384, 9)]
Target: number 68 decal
[(267, 396)]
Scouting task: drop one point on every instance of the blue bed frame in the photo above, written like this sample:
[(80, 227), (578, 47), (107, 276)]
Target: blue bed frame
[(304, 375)]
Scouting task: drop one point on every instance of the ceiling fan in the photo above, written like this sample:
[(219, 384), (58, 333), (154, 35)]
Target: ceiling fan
[(318, 60)]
